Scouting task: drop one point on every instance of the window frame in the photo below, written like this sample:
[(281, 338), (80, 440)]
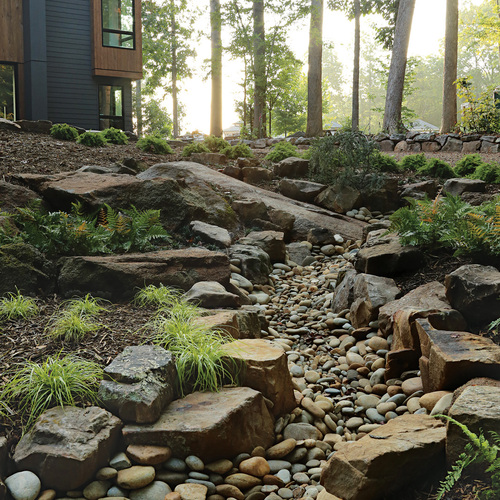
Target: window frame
[(119, 32), (112, 117)]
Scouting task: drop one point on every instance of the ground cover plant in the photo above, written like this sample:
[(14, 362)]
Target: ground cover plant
[(92, 139), (467, 164), (76, 233), (17, 306), (155, 145), (437, 168), (115, 136)]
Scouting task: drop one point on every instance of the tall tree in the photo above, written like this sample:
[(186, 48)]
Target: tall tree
[(449, 116), (355, 72), (138, 106), (259, 70), (395, 84), (216, 69), (175, 105), (314, 76)]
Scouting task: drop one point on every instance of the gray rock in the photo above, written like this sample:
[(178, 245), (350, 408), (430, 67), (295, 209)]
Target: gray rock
[(154, 491), (175, 464), (461, 185), (277, 465), (120, 461), (209, 233), (301, 431), (255, 262), (24, 485), (194, 463), (211, 295), (272, 242), (291, 167), (300, 190)]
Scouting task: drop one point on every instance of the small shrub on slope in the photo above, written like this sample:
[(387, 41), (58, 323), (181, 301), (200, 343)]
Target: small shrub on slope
[(115, 136), (281, 151), (92, 139), (413, 162), (64, 132), (239, 151), (437, 168), (467, 165), (195, 147)]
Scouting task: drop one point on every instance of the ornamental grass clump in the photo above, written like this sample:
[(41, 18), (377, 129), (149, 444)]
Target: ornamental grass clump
[(17, 306), (33, 387), (157, 296)]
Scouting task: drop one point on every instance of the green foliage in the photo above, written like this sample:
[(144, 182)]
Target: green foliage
[(239, 151), (436, 167), (481, 114), (449, 222), (488, 172), (59, 381), (478, 451), (282, 150), (110, 231), (16, 306), (467, 164), (215, 144), (160, 296), (346, 159), (115, 136), (413, 162), (92, 139), (385, 163), (195, 147), (64, 132), (154, 145)]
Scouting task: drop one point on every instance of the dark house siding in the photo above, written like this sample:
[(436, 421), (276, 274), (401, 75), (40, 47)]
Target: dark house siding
[(72, 92)]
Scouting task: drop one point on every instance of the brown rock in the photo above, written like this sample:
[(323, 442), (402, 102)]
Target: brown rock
[(135, 477), (174, 495), (292, 167), (315, 410), (238, 324), (429, 400), (399, 361), (221, 466), (281, 449), (243, 481), (470, 147), (192, 491), (412, 385), (300, 190), (149, 454), (255, 466), (209, 158), (272, 242), (256, 175), (273, 480), (228, 490)]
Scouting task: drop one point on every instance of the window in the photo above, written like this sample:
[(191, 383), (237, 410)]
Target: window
[(7, 92), (110, 107), (118, 23)]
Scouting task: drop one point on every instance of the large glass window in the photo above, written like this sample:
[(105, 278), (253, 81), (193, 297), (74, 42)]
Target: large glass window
[(118, 23), (7, 92), (110, 107)]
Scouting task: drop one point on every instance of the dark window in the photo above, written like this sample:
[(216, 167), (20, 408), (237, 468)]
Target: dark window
[(7, 92), (118, 24), (110, 107)]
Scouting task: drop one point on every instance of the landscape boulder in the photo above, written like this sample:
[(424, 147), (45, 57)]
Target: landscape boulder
[(237, 324), (209, 425), (460, 185), (300, 190), (255, 263), (298, 251), (474, 290), (292, 168), (256, 175), (68, 445), (344, 291), (13, 196), (209, 158), (139, 383), (339, 199), (272, 242), (419, 190), (211, 295), (406, 450), (211, 234)]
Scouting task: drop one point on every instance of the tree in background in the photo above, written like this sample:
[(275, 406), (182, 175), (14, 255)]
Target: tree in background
[(395, 84), (259, 69), (216, 69)]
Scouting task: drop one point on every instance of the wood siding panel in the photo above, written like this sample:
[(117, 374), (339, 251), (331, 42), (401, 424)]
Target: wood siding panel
[(112, 61), (11, 31)]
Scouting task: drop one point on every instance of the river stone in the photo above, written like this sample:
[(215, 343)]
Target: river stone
[(96, 490), (139, 383), (301, 431), (408, 448), (429, 400), (255, 466), (194, 463), (24, 485), (210, 425), (221, 466), (309, 405), (265, 370), (157, 490), (66, 446), (281, 449), (243, 481), (367, 401), (228, 490), (192, 491), (135, 477)]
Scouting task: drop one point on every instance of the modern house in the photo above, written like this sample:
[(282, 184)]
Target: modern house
[(70, 61)]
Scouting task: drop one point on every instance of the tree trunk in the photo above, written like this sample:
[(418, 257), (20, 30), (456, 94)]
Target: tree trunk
[(216, 107), (175, 114), (449, 117), (314, 93), (395, 84), (355, 72), (259, 49), (138, 107)]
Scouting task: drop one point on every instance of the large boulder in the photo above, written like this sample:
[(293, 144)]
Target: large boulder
[(117, 277), (301, 190), (474, 290), (237, 324), (209, 233), (405, 450), (292, 167), (211, 295), (265, 369), (339, 199), (255, 263), (13, 196), (462, 185), (383, 197), (449, 359), (139, 383), (298, 251), (209, 425), (344, 291), (67, 446), (272, 242)]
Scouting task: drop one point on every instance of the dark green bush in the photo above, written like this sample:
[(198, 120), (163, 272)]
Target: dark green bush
[(239, 151), (115, 136), (467, 164), (154, 145), (64, 132), (437, 168), (281, 151), (195, 147), (413, 162), (215, 144), (92, 139), (385, 163), (346, 159), (488, 172)]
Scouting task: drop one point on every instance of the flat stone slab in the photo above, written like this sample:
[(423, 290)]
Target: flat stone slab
[(449, 358), (394, 455), (209, 425), (238, 324), (117, 277)]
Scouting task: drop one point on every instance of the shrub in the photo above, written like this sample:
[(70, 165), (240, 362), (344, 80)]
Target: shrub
[(467, 164), (437, 168), (16, 306), (488, 172), (64, 132), (345, 159), (154, 145), (239, 151), (215, 144), (92, 139), (413, 162), (34, 388), (385, 163), (195, 147), (115, 136), (282, 150)]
